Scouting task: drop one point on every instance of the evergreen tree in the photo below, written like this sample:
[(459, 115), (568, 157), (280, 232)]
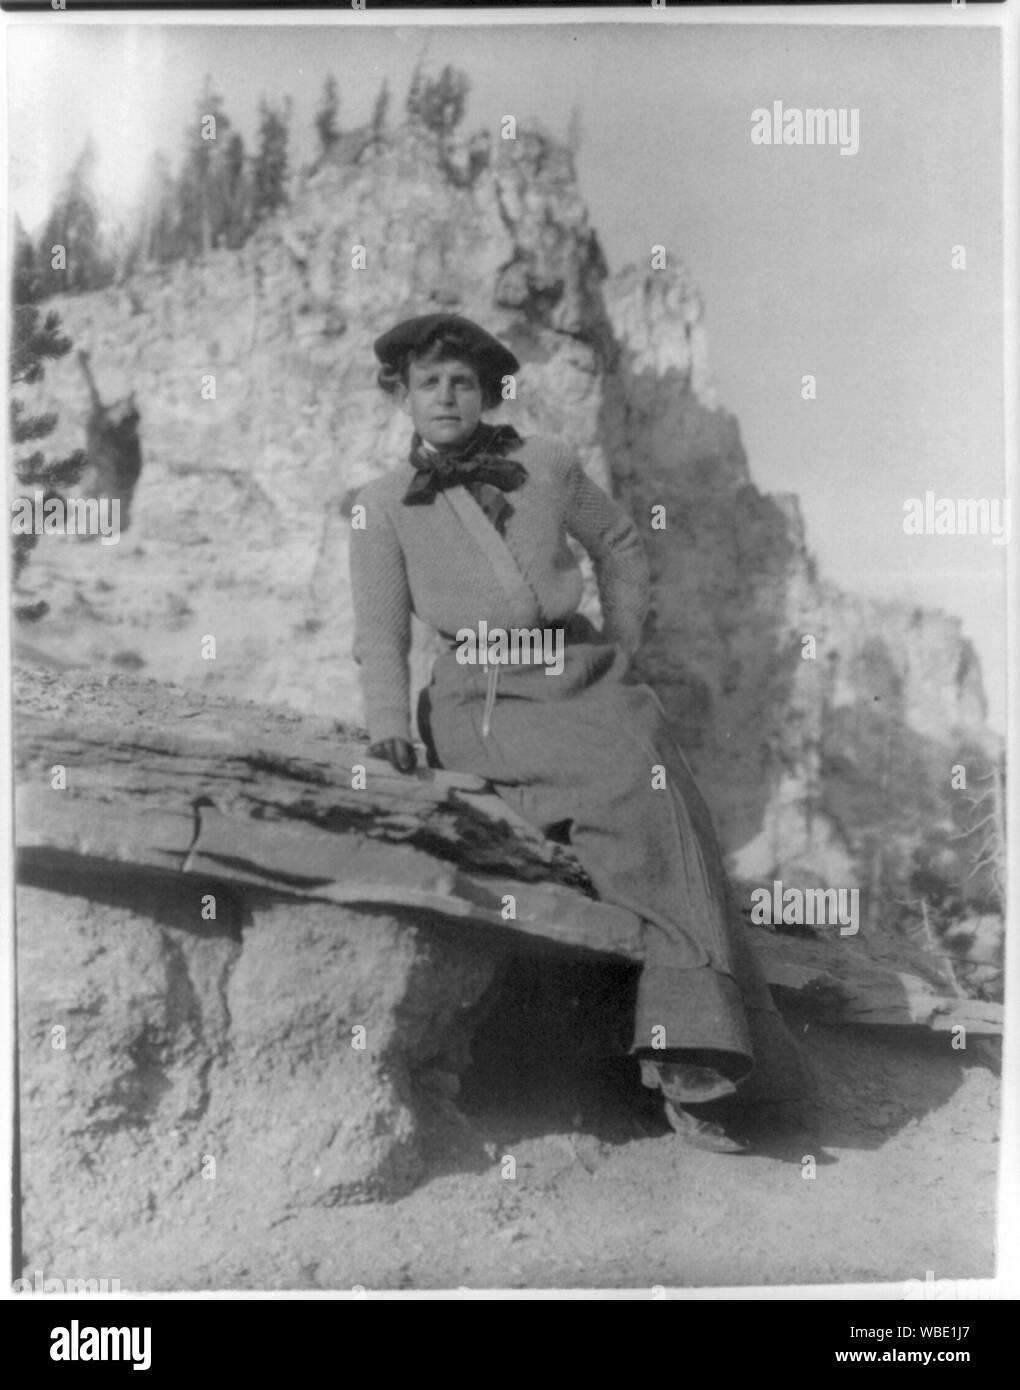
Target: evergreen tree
[(121, 248), (415, 92), (158, 235), (438, 104), (73, 225), (232, 195), (207, 133), (27, 275), (270, 174), (326, 126), (381, 111), (32, 345)]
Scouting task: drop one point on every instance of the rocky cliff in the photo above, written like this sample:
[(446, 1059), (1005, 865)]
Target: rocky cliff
[(829, 763)]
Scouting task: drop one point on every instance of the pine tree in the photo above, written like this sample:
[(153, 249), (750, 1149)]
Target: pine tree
[(122, 247), (438, 104), (381, 111), (326, 125), (73, 225), (232, 195), (207, 132), (32, 345), (415, 92), (270, 175), (158, 236)]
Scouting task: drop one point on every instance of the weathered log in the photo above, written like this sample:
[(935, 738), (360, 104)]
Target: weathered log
[(451, 816), (296, 859)]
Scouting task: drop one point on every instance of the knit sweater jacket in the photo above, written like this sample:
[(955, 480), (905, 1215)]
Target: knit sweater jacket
[(422, 559)]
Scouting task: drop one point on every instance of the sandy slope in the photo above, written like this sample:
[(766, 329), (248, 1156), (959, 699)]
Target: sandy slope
[(904, 1143)]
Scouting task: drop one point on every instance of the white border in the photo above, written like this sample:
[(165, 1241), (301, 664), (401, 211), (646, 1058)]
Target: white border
[(1005, 17)]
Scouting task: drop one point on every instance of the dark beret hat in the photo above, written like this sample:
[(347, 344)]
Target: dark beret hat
[(492, 359)]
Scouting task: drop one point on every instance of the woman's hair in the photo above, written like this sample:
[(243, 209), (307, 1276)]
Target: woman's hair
[(445, 344)]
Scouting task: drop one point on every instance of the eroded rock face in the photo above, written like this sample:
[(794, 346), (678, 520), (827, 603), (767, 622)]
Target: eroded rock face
[(335, 1015), (824, 763), (219, 1062)]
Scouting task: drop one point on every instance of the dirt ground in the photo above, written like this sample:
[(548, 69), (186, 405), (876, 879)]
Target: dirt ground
[(604, 1195)]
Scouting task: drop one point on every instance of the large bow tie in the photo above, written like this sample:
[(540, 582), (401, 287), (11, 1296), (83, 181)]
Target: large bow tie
[(481, 466)]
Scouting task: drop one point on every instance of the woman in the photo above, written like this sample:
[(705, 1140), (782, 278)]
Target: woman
[(475, 530)]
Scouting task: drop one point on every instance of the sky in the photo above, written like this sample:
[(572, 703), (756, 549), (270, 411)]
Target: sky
[(809, 261)]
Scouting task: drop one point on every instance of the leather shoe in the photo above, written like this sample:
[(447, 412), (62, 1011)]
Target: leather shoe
[(703, 1134)]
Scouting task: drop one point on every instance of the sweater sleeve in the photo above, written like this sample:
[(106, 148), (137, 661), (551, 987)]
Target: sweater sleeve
[(382, 625), (611, 538)]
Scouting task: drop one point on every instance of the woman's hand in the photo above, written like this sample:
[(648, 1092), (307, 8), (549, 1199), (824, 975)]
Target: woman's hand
[(397, 752)]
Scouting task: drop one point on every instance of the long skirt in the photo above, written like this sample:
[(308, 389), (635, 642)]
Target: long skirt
[(587, 752)]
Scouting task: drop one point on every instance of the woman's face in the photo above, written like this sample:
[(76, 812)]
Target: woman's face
[(444, 400)]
